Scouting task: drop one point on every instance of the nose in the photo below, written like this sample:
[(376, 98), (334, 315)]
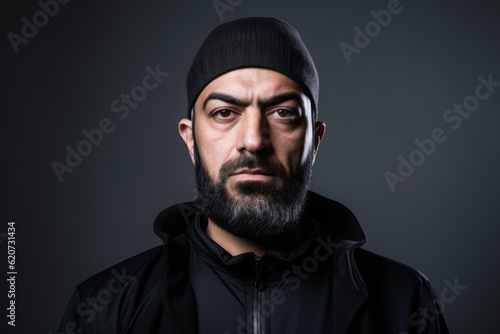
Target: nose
[(253, 133)]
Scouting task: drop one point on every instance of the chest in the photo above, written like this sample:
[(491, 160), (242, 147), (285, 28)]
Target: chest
[(296, 299)]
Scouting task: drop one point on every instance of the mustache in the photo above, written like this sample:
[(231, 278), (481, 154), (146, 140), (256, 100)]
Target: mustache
[(251, 162)]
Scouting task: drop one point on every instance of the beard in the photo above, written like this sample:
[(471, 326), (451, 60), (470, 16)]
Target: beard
[(262, 212)]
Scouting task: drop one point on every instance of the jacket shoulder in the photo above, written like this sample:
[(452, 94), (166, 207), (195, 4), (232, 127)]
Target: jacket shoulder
[(137, 265), (377, 269), (389, 282), (108, 301), (399, 295)]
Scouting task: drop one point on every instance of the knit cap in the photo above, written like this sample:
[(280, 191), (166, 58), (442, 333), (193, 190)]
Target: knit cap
[(253, 42)]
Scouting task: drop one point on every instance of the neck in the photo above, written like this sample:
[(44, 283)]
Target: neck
[(235, 245), (232, 244)]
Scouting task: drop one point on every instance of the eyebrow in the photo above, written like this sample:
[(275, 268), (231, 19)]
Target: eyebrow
[(273, 100)]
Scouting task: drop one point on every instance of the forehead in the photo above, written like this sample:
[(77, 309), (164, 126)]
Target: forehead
[(249, 84)]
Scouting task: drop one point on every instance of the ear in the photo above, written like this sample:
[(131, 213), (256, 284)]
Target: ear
[(186, 132), (319, 132)]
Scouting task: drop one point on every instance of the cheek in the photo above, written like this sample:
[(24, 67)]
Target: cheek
[(214, 151), (291, 150)]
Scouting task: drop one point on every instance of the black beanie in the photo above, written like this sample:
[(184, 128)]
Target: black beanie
[(253, 42)]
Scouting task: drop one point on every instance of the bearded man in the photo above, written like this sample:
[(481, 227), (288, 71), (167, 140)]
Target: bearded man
[(257, 252)]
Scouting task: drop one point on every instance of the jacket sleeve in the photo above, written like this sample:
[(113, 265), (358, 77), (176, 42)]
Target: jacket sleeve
[(74, 320), (428, 317)]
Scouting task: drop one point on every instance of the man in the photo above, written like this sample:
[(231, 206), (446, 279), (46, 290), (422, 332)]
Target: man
[(257, 252)]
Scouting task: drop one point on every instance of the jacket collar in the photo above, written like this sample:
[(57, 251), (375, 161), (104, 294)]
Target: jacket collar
[(336, 219)]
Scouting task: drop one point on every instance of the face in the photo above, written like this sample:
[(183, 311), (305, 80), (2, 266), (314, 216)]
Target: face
[(253, 145)]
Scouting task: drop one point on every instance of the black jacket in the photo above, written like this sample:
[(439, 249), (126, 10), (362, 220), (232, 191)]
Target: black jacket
[(191, 285)]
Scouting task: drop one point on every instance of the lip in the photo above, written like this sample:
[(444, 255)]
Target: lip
[(247, 174), (254, 171)]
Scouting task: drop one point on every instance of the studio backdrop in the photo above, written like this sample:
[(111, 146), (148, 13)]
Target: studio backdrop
[(92, 92)]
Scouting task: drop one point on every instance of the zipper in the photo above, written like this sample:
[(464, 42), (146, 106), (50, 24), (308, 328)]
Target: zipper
[(258, 320)]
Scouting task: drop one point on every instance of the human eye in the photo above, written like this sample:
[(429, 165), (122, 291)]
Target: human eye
[(285, 114), (224, 114)]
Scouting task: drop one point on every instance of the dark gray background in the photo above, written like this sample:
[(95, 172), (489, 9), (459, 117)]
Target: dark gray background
[(443, 220)]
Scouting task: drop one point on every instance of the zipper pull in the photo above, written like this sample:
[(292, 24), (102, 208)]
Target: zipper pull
[(259, 282)]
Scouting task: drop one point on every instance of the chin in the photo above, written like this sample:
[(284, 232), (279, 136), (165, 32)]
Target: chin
[(256, 189)]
